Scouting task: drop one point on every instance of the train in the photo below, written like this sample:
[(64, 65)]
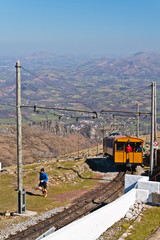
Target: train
[(125, 150)]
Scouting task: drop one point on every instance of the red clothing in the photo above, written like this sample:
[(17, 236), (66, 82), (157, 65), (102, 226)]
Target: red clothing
[(128, 149)]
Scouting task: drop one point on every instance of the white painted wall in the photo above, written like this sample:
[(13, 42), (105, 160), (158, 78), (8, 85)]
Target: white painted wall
[(144, 187), (142, 195), (152, 187), (131, 181), (0, 166), (93, 225)]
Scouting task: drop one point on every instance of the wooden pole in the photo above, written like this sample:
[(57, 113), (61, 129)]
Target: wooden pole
[(19, 139), (155, 121), (137, 133), (78, 145), (152, 130)]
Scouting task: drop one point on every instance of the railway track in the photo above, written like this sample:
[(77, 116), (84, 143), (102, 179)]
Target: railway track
[(94, 200)]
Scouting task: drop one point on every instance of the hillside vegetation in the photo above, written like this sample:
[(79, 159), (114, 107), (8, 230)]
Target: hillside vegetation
[(39, 144)]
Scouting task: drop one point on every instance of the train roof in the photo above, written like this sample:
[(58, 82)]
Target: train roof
[(124, 138)]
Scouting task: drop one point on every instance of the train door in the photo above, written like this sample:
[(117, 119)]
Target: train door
[(129, 154), (137, 153), (129, 157), (134, 156), (119, 152)]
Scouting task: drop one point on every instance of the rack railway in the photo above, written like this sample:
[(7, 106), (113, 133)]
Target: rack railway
[(89, 203)]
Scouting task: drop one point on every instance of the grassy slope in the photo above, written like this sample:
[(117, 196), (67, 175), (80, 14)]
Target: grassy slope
[(63, 179), (149, 223)]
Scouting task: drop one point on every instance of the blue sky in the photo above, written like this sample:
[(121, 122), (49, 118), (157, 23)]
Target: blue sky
[(79, 27)]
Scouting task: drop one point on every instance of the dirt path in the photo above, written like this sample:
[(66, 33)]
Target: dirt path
[(155, 235)]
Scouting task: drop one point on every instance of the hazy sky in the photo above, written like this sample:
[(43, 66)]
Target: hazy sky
[(79, 27)]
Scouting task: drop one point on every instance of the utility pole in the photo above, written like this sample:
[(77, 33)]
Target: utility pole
[(152, 129), (88, 149), (155, 121), (78, 145), (97, 147), (103, 130), (21, 194), (137, 133)]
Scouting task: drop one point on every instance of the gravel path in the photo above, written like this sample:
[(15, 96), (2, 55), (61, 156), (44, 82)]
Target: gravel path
[(29, 222)]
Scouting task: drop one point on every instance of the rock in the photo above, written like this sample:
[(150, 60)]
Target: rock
[(7, 214), (131, 207), (136, 206), (38, 168), (129, 215), (139, 170), (130, 227), (140, 207), (124, 235)]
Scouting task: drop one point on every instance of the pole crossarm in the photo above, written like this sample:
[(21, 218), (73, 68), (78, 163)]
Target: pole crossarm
[(59, 109), (112, 111)]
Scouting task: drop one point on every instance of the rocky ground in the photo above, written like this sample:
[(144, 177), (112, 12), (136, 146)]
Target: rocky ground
[(13, 228)]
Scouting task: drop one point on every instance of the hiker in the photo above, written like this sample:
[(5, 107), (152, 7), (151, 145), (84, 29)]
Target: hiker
[(43, 182)]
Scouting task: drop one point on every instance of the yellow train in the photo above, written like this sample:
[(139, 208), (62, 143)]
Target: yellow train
[(125, 150)]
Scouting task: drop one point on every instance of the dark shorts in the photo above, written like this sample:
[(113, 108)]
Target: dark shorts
[(43, 184)]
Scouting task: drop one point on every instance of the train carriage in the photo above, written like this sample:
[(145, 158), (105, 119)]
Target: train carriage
[(115, 146)]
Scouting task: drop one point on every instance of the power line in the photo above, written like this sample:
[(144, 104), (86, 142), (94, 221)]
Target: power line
[(132, 95), (31, 73), (112, 111), (36, 77), (66, 116), (59, 109)]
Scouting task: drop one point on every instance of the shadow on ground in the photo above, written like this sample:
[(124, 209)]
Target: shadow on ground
[(32, 194), (102, 164)]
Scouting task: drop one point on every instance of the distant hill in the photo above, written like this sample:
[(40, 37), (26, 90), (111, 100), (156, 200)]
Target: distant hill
[(140, 64), (80, 83), (41, 143)]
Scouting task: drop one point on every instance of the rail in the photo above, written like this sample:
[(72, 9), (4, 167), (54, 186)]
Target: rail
[(92, 201)]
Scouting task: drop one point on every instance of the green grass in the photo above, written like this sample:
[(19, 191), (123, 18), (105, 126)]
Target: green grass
[(61, 181), (116, 231), (8, 199), (149, 223), (141, 230)]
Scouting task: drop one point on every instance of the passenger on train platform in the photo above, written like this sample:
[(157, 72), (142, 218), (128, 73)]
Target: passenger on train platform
[(128, 147), (134, 147), (140, 148)]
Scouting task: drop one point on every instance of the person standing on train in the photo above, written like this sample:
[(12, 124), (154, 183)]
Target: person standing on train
[(128, 147), (140, 148)]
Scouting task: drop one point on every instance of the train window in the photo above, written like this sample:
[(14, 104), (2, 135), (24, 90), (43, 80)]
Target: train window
[(120, 146)]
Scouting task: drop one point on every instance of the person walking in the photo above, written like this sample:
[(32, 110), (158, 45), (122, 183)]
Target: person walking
[(43, 182)]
